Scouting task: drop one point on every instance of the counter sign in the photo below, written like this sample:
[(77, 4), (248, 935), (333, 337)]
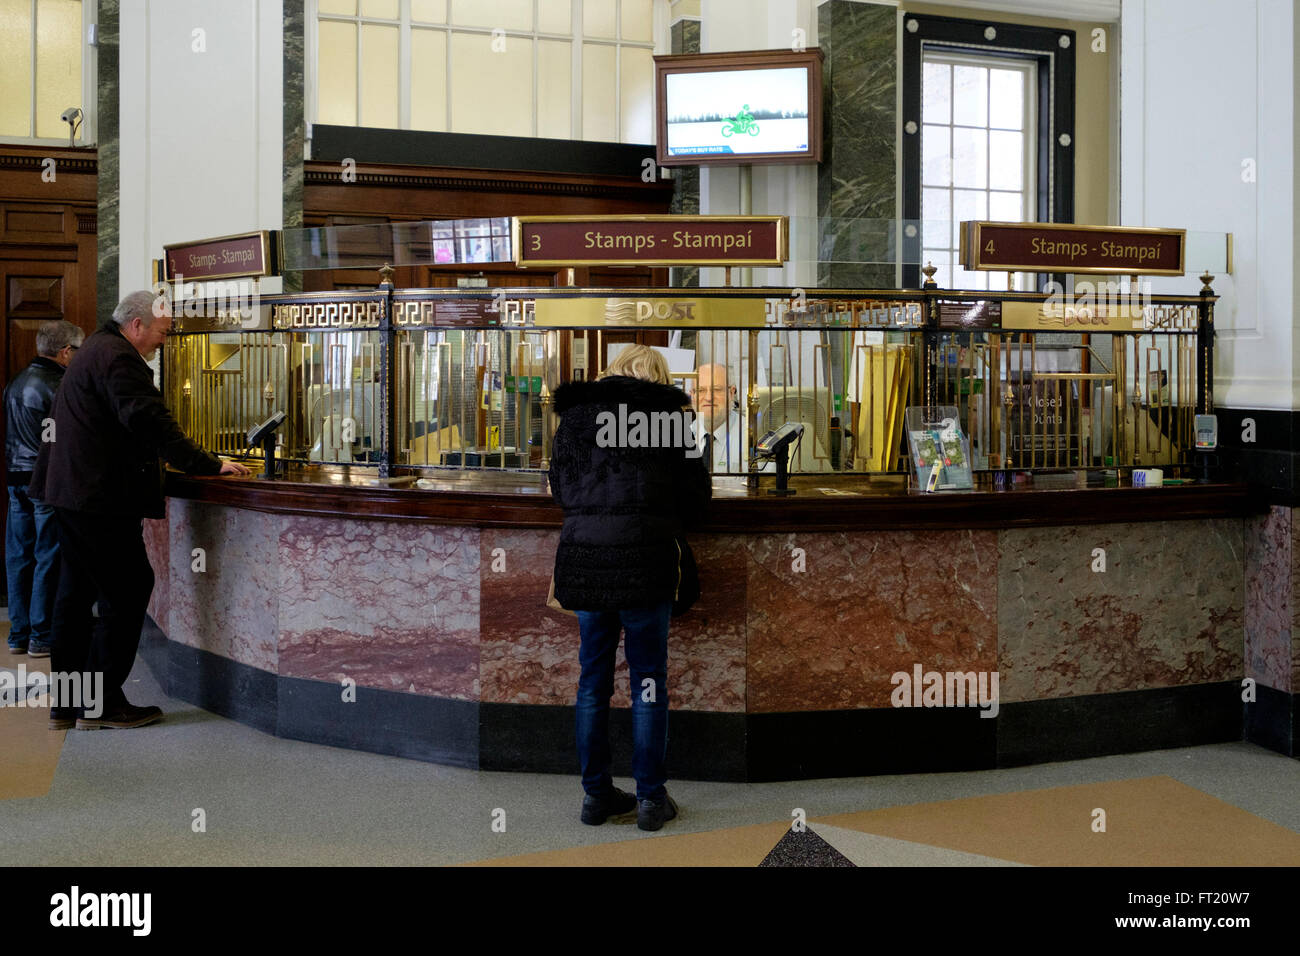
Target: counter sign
[(1050, 247), (249, 255), (552, 241)]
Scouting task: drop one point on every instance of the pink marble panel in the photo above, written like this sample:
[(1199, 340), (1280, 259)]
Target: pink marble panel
[(224, 601), (392, 605), (829, 631), (1166, 612), (530, 652), (1269, 598), (158, 549)]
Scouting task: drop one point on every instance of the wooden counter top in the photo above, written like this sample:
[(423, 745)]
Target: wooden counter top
[(823, 502)]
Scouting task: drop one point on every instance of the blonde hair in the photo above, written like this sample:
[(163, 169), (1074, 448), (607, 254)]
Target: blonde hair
[(639, 361)]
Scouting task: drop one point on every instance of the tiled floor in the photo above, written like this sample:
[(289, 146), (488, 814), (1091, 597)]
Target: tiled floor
[(199, 789)]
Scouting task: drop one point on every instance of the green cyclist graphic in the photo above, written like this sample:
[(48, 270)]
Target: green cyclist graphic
[(742, 122)]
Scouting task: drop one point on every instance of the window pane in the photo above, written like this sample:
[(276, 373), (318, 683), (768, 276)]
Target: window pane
[(336, 87), (598, 19), (379, 96), (638, 20), (1007, 99), (495, 100), (429, 80), (345, 7), (936, 214), (1006, 207), (554, 89), (553, 16), (58, 63), (1006, 160), (636, 97), (936, 150), (936, 93), (598, 93), (506, 14), (429, 11), (970, 95), (969, 280), (379, 9), (967, 204), (970, 157), (941, 259), (16, 67)]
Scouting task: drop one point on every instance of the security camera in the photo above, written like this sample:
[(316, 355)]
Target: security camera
[(72, 116)]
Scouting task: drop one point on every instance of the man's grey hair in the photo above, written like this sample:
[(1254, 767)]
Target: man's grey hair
[(136, 305), (54, 336)]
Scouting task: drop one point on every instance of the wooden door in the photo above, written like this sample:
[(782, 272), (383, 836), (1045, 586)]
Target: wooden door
[(32, 293)]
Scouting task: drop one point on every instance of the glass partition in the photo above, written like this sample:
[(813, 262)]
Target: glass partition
[(421, 381)]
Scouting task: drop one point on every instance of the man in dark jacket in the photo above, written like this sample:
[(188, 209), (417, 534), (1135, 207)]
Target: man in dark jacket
[(103, 475), (627, 472), (31, 536)]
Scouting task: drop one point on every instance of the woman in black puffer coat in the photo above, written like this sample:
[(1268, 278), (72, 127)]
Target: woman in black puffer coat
[(626, 500)]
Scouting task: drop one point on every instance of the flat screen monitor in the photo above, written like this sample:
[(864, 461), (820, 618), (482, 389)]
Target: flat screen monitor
[(761, 106)]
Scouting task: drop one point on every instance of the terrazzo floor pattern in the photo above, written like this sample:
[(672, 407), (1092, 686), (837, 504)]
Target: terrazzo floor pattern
[(130, 798)]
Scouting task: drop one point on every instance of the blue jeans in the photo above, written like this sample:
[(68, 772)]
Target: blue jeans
[(31, 567), (647, 657)]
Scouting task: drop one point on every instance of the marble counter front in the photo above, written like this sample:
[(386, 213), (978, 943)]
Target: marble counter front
[(432, 640)]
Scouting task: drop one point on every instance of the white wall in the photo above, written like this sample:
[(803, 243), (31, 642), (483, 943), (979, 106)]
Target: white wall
[(776, 190), (1205, 86), (201, 132)]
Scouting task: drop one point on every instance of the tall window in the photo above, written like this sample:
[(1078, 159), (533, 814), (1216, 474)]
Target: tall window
[(988, 133), (41, 68), (977, 146), (550, 68)]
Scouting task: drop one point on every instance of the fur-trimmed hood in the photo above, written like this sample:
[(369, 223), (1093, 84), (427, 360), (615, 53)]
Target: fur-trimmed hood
[(620, 389)]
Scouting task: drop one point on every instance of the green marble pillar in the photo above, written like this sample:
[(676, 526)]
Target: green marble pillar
[(686, 179), (108, 154), (857, 180), (295, 128)]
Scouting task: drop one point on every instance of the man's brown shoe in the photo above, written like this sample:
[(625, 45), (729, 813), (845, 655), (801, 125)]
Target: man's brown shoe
[(124, 718), (62, 723)]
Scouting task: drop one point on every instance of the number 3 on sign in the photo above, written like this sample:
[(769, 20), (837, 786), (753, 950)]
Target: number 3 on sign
[(537, 243)]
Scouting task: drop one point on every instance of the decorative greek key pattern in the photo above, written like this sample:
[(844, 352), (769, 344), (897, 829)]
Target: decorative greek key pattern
[(1170, 318), (845, 313), (408, 312), (329, 315)]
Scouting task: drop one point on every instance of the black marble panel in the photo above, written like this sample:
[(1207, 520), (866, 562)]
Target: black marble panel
[(812, 744), (434, 729), (1074, 728), (1273, 720), (533, 739)]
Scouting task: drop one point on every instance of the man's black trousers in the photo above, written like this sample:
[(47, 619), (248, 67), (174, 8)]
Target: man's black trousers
[(104, 563)]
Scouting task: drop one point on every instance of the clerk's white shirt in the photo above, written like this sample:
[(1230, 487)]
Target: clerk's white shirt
[(729, 452)]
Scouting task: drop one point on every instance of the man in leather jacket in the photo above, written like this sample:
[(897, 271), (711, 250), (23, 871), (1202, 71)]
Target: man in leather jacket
[(103, 474), (31, 535)]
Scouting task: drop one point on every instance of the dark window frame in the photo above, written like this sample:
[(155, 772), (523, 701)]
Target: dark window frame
[(1056, 89)]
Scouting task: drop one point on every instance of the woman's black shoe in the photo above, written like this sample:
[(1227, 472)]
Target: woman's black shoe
[(596, 810), (651, 815)]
